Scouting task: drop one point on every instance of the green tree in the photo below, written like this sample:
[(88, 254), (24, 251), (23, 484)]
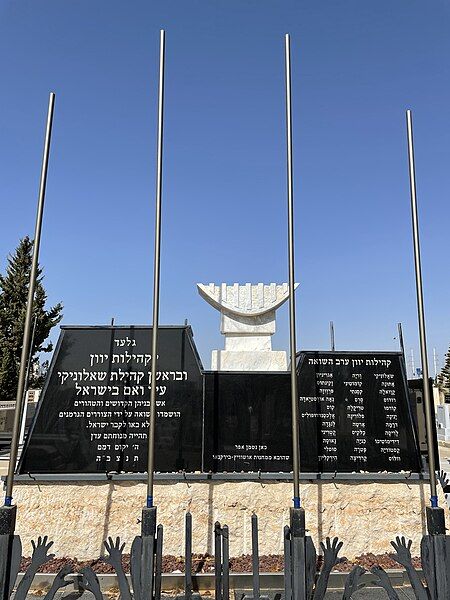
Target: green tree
[(13, 301), (443, 379)]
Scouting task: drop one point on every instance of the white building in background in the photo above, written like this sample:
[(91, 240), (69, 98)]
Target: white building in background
[(443, 422), (441, 397)]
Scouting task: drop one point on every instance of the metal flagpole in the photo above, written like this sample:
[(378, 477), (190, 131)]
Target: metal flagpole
[(333, 347), (148, 538), (293, 345), (435, 362), (156, 270), (29, 313), (297, 546), (433, 519), (23, 416), (400, 340), (30, 356)]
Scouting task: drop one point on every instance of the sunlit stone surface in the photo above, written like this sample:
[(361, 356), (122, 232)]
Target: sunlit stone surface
[(80, 515), (247, 320)]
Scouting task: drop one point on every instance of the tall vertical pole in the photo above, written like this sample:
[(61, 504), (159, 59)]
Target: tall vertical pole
[(413, 365), (421, 313), (297, 513), (400, 339), (30, 356), (332, 344), (435, 362), (148, 524), (23, 416), (29, 312), (156, 270), (293, 344)]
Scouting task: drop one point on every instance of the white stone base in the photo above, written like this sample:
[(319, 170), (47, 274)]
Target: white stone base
[(226, 360), (79, 516)]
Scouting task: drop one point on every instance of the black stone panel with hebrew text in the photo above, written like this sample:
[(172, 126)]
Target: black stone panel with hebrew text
[(354, 416), (355, 413), (94, 410), (93, 415)]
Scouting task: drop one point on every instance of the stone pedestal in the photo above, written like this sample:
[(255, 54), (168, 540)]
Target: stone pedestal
[(80, 515), (247, 320)]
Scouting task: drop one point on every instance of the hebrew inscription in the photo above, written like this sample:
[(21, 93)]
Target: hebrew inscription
[(96, 406), (354, 416), (354, 412)]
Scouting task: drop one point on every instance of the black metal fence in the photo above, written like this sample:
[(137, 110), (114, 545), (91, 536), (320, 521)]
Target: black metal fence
[(302, 581)]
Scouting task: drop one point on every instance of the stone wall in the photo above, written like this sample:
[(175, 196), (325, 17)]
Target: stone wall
[(79, 516)]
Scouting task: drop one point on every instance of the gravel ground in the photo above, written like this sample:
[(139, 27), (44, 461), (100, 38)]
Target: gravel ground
[(204, 563)]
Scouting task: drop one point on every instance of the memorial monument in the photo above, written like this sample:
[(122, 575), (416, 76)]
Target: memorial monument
[(354, 412), (223, 446), (247, 320)]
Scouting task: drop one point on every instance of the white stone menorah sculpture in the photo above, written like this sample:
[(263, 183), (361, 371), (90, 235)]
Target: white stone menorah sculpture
[(248, 323)]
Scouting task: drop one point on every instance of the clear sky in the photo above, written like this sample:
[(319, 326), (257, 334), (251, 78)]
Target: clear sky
[(356, 67)]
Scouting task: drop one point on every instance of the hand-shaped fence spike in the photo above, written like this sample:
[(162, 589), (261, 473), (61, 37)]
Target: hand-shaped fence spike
[(330, 556), (59, 582), (445, 483), (352, 582), (435, 555), (39, 557), (403, 557), (384, 582), (443, 479), (403, 551), (115, 551), (90, 583)]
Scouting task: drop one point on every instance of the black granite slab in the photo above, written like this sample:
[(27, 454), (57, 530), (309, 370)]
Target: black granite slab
[(354, 411), (354, 416), (94, 410)]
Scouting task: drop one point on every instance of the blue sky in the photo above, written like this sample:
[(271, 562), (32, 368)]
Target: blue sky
[(356, 67)]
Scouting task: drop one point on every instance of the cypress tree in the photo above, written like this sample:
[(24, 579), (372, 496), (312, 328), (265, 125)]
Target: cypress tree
[(13, 303), (443, 378)]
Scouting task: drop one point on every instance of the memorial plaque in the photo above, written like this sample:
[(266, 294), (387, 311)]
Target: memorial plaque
[(93, 414), (354, 412), (94, 411), (247, 421), (353, 409)]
